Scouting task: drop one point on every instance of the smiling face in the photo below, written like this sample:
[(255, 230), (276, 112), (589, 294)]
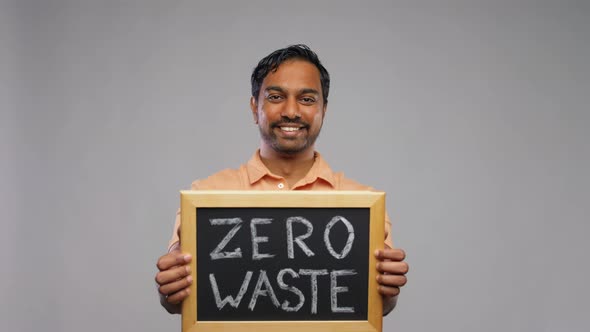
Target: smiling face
[(289, 109)]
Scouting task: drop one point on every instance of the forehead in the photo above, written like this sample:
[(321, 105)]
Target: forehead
[(294, 74)]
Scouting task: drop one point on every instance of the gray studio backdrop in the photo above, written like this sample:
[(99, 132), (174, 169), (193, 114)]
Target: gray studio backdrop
[(472, 116)]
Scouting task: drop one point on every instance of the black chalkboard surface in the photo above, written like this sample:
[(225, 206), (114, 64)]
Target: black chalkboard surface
[(282, 257), (282, 263)]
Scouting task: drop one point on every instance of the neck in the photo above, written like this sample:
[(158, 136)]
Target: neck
[(292, 167)]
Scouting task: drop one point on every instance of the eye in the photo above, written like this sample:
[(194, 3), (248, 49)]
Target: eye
[(274, 98), (307, 100)]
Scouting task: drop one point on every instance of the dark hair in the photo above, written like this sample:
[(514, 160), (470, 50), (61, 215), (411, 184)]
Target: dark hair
[(271, 62)]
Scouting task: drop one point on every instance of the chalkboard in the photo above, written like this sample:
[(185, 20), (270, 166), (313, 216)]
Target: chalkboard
[(282, 263), (270, 259)]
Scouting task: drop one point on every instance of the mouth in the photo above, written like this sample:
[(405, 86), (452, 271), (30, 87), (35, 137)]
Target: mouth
[(290, 129), (290, 126)]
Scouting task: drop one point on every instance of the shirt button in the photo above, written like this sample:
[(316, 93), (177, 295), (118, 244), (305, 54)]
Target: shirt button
[(281, 186)]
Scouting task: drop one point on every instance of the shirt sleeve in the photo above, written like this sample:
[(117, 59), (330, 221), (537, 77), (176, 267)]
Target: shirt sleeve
[(175, 233), (175, 238)]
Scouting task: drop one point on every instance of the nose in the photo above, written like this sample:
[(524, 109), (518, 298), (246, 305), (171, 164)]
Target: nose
[(291, 109)]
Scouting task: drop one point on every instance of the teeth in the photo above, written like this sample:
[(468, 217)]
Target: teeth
[(289, 128)]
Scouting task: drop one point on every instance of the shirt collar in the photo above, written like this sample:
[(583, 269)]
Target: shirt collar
[(319, 170)]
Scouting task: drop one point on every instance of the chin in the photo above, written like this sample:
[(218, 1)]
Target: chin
[(289, 150)]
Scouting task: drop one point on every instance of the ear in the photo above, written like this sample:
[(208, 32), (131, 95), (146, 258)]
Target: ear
[(324, 109), (254, 109)]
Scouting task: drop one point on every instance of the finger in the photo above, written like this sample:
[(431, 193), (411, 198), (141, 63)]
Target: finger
[(388, 291), (392, 254), (393, 267), (176, 286), (178, 296), (391, 280), (168, 276), (171, 259)]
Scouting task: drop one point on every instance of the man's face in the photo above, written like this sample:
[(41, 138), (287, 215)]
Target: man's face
[(290, 110)]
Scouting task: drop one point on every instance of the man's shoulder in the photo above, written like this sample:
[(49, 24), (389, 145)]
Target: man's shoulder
[(227, 179), (345, 183)]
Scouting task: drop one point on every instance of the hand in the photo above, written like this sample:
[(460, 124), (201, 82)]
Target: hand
[(174, 279), (392, 274)]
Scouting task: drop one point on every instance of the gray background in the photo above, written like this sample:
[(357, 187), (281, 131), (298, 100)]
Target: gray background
[(472, 116)]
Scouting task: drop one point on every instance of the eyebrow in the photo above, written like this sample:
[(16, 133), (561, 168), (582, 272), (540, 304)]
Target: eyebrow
[(302, 91), (309, 90), (274, 88)]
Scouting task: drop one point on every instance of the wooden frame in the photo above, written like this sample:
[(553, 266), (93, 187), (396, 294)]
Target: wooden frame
[(375, 201)]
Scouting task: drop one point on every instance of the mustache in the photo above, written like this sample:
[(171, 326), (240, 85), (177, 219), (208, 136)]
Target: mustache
[(287, 121)]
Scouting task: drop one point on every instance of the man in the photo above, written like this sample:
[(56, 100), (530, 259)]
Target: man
[(289, 101)]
